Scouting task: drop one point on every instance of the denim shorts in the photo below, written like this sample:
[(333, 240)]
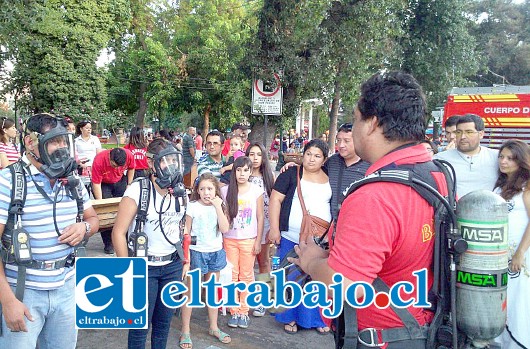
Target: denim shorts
[(208, 262)]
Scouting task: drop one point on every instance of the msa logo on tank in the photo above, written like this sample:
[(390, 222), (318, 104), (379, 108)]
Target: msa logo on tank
[(111, 293), (479, 234), (481, 279)]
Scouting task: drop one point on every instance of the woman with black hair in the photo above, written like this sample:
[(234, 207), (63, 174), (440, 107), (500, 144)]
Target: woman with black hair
[(138, 147), (8, 150), (86, 145), (285, 213), (512, 185)]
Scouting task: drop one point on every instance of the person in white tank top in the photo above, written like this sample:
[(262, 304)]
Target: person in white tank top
[(512, 184)]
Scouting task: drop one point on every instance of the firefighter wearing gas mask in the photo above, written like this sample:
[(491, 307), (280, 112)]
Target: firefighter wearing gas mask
[(168, 170), (54, 150), (149, 225), (43, 221)]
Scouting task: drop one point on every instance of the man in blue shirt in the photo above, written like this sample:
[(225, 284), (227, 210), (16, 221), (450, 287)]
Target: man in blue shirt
[(43, 311)]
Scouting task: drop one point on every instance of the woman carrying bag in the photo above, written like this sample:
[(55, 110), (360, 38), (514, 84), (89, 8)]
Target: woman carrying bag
[(286, 212)]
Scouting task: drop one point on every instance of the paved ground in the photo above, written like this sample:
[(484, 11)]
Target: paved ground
[(263, 333)]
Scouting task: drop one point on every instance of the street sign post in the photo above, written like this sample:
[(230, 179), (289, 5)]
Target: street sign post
[(267, 96)]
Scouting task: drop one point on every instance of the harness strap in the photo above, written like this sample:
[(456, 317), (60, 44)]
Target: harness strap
[(21, 282), (168, 257), (351, 333), (346, 333)]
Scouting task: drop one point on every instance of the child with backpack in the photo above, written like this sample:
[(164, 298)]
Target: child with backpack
[(243, 241), (207, 254)]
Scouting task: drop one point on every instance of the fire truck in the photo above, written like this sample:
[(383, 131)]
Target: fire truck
[(504, 109)]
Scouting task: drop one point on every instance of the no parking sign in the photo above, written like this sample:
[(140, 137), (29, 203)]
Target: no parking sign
[(267, 96)]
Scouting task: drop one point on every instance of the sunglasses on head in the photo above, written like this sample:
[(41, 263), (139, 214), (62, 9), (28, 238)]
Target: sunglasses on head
[(3, 121), (346, 126)]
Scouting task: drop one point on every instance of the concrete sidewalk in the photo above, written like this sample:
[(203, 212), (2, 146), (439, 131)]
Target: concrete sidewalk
[(263, 333)]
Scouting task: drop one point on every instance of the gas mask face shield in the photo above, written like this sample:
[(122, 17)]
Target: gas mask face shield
[(56, 149), (168, 167)]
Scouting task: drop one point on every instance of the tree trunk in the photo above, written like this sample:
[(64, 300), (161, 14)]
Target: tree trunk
[(333, 114), (206, 120), (258, 131), (142, 110)]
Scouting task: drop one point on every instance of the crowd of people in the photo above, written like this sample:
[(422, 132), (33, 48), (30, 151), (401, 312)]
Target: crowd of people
[(238, 208)]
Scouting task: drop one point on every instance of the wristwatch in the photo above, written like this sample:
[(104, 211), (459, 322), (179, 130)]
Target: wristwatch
[(87, 232)]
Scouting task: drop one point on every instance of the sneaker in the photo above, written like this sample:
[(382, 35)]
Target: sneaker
[(244, 321), (233, 321), (259, 311), (109, 249)]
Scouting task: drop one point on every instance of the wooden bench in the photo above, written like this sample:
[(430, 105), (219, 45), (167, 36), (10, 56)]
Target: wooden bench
[(107, 210), (297, 158), (189, 179)]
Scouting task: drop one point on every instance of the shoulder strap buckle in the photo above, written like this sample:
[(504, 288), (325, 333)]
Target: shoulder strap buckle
[(373, 337)]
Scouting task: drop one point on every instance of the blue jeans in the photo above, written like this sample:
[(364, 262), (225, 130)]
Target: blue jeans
[(159, 315), (208, 262), (53, 327)]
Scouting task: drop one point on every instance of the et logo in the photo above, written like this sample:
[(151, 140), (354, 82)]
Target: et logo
[(111, 293)]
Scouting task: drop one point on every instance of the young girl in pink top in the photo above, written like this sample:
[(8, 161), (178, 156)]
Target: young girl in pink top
[(8, 150), (243, 241)]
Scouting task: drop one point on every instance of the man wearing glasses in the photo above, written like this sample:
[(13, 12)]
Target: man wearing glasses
[(475, 165), (214, 161)]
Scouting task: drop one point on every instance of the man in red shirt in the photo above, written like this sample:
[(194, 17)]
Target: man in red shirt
[(109, 180), (381, 226)]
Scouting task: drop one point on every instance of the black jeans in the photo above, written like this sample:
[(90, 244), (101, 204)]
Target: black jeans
[(112, 190)]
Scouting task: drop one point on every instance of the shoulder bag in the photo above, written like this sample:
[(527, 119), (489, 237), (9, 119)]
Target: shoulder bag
[(311, 225)]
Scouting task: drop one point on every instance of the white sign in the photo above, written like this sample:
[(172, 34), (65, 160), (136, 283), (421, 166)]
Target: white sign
[(267, 97)]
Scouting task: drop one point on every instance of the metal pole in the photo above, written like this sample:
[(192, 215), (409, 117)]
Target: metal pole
[(266, 120)]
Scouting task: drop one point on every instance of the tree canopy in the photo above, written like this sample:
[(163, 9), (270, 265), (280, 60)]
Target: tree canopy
[(193, 61)]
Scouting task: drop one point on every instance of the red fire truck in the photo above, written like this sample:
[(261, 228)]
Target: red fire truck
[(505, 110)]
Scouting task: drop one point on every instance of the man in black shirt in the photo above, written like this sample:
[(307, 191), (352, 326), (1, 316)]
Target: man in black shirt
[(343, 168)]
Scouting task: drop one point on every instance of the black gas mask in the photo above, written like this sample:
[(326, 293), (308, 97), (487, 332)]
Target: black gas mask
[(168, 170), (56, 149)]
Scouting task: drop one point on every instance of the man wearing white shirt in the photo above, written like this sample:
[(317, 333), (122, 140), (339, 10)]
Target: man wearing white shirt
[(475, 166)]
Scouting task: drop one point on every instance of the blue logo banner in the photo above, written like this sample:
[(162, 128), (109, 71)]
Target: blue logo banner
[(111, 293)]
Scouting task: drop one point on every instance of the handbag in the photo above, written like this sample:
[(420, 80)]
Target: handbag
[(311, 225)]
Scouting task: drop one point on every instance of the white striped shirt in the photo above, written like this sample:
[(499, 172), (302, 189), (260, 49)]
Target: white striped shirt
[(10, 150), (38, 221)]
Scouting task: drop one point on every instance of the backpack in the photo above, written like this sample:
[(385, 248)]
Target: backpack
[(448, 246), (14, 244), (137, 240)]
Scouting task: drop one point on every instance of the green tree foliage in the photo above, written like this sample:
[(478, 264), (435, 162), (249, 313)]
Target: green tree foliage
[(358, 38), (438, 48), (286, 42), (503, 36), (54, 46), (213, 35), (146, 70)]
